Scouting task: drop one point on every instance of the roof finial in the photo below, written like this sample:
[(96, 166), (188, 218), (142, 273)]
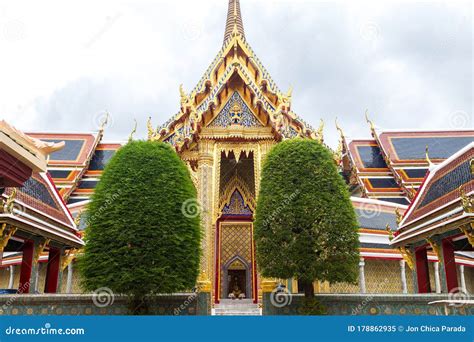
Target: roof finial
[(130, 137), (321, 131), (370, 122), (427, 157), (339, 129), (234, 20)]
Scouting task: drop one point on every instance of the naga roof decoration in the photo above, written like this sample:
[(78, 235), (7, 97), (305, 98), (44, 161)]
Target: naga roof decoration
[(235, 63), (29, 151), (68, 165)]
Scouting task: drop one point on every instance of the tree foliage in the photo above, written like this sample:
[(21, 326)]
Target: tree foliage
[(138, 241), (305, 224)]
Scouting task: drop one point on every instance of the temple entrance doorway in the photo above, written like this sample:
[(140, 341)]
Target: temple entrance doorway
[(235, 262), (236, 280)]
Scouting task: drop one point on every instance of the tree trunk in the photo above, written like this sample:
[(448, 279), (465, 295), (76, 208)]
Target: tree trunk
[(308, 289)]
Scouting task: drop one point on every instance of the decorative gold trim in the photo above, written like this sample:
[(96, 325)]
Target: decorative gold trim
[(466, 201), (5, 235), (408, 257), (39, 249), (9, 203), (399, 216), (469, 232), (436, 248), (68, 257)]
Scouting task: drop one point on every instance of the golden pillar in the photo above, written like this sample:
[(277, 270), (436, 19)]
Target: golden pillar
[(205, 196)]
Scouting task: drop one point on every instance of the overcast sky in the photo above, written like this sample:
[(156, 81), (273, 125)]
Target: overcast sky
[(62, 64)]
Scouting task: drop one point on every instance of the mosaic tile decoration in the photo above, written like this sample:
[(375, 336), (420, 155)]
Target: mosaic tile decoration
[(235, 112), (448, 183), (69, 152), (439, 147), (237, 205), (383, 183), (371, 157), (100, 159)]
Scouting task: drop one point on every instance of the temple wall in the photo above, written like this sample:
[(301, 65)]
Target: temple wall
[(381, 276), (178, 304), (366, 304)]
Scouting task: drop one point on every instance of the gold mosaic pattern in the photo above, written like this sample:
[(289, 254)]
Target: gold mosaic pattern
[(236, 239)]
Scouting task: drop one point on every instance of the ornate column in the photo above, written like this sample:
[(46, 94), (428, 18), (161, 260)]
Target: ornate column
[(70, 270), (205, 192), (463, 278), (12, 277), (437, 278), (265, 285), (403, 276), (362, 276)]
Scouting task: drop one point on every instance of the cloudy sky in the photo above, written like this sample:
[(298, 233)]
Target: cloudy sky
[(63, 64)]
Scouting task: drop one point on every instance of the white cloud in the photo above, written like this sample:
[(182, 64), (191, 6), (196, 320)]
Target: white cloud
[(62, 62)]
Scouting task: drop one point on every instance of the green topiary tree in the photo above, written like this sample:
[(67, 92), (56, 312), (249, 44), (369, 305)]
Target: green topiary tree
[(139, 240), (305, 225)]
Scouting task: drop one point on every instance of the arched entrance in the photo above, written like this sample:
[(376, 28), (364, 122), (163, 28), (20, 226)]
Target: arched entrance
[(237, 277), (235, 258)]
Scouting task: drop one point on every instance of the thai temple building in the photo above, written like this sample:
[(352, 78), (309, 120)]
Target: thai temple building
[(412, 190), (37, 230)]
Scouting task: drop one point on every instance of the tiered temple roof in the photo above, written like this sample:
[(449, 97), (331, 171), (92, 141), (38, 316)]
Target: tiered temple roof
[(211, 105), (76, 169), (445, 200), (392, 164)]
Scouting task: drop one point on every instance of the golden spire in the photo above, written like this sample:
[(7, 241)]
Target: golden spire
[(234, 20)]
